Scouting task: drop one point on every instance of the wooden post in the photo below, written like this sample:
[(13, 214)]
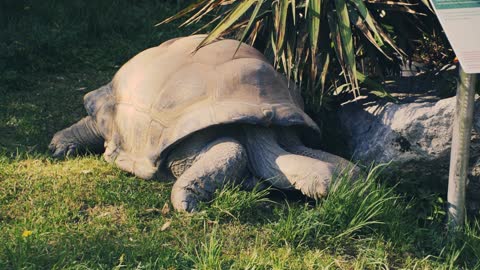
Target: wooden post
[(462, 132)]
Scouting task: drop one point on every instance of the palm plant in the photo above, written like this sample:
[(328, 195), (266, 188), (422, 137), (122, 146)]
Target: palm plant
[(324, 46)]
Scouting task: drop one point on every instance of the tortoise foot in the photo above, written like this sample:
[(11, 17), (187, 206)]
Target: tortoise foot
[(220, 162), (61, 147)]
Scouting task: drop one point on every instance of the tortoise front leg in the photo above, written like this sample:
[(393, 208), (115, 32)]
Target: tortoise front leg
[(221, 161), (77, 138)]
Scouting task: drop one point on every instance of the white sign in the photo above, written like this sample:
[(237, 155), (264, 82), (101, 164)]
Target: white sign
[(460, 20)]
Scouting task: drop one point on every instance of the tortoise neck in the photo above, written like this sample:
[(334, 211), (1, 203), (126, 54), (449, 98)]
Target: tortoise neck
[(86, 133)]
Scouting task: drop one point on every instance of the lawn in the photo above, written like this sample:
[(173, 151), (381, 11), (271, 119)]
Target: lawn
[(84, 213)]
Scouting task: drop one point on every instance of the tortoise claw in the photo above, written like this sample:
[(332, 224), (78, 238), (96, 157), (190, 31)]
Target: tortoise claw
[(188, 207), (184, 201), (61, 150), (72, 150)]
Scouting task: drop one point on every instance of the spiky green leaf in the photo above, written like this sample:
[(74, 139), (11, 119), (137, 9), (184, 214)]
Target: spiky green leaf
[(346, 37), (281, 23), (314, 23), (236, 14), (253, 18), (363, 10), (359, 23), (183, 12)]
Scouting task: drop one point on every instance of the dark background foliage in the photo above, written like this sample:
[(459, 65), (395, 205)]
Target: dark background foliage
[(53, 52)]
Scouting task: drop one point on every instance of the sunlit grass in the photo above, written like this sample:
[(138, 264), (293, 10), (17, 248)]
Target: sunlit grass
[(85, 212), (234, 203)]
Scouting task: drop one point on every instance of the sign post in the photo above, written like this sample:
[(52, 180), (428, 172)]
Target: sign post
[(462, 130), (460, 20)]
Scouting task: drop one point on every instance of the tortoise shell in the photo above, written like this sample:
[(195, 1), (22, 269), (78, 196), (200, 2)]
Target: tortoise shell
[(166, 93)]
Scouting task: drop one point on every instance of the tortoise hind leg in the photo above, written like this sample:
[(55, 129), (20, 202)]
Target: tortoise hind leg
[(283, 169), (76, 139), (221, 161), (290, 142)]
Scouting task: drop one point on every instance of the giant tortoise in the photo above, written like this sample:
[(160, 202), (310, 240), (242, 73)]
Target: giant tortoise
[(220, 113)]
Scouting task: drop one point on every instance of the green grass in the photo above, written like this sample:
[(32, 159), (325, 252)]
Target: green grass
[(84, 213)]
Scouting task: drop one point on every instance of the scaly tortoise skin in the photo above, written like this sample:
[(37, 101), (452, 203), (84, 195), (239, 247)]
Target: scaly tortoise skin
[(171, 108)]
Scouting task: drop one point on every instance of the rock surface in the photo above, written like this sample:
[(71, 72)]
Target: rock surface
[(415, 135)]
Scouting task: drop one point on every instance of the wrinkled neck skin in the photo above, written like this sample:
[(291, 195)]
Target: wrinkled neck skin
[(89, 134), (83, 135)]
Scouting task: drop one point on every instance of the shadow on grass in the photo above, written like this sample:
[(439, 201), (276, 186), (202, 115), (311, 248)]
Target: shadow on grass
[(54, 52)]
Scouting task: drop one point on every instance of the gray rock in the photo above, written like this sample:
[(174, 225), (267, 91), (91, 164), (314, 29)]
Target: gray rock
[(415, 135)]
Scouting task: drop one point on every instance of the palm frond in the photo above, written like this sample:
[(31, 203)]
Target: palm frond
[(317, 56)]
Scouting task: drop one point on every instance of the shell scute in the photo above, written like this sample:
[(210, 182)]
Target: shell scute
[(168, 92)]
